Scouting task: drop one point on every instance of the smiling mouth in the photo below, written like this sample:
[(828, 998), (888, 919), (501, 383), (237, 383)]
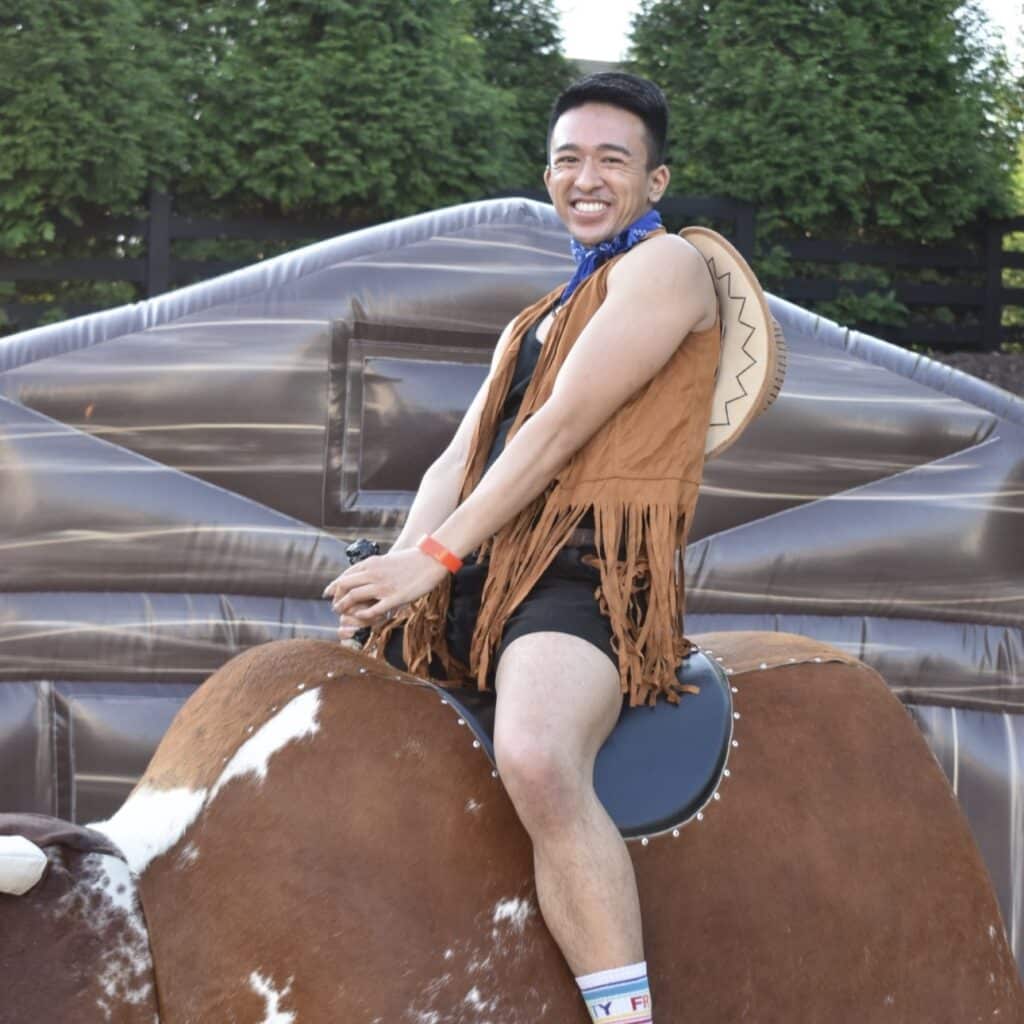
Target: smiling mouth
[(589, 205)]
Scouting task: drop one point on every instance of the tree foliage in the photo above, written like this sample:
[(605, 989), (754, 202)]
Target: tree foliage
[(86, 114), (878, 120), (522, 57), (879, 115), (362, 108), (349, 110)]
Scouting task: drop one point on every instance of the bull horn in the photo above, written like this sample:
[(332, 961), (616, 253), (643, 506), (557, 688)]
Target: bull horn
[(21, 864)]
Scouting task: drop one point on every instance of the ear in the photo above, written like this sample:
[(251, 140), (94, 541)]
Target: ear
[(547, 180), (657, 182)]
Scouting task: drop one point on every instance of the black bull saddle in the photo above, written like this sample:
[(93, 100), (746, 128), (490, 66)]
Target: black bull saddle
[(661, 764)]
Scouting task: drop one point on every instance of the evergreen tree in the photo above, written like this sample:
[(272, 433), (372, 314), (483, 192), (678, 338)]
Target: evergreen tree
[(363, 109), (877, 120), (86, 115), (522, 57), (351, 110)]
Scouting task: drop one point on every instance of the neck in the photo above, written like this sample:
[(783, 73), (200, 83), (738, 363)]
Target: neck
[(589, 258)]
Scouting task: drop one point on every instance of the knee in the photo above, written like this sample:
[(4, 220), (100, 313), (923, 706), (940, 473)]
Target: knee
[(545, 785)]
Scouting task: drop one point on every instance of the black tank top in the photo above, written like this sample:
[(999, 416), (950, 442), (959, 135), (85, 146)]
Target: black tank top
[(526, 363)]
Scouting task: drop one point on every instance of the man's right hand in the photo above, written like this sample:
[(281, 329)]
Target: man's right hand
[(348, 625)]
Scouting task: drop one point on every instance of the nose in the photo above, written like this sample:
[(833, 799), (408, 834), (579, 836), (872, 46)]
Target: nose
[(589, 174)]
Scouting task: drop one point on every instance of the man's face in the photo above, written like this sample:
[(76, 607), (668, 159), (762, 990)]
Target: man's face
[(597, 173)]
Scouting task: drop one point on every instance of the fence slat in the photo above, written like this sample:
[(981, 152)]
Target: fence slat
[(257, 230), (993, 311), (16, 311), (825, 251), (189, 270), (907, 292), (100, 269), (938, 335), (158, 246)]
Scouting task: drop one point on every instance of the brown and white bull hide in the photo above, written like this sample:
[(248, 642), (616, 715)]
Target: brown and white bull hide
[(319, 839), (73, 942)]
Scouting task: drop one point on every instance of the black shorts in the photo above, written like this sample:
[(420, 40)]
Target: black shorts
[(563, 600)]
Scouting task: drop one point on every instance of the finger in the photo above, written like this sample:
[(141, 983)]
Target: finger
[(344, 587), (347, 630), (355, 615), (352, 575), (374, 611), (350, 621), (379, 617), (348, 641), (364, 595)]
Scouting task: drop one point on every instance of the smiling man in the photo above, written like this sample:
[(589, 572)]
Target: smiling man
[(543, 552)]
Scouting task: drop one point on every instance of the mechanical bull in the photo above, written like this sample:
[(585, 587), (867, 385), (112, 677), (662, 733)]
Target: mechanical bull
[(321, 838)]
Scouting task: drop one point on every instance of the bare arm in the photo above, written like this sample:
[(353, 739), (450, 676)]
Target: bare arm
[(656, 296), (438, 492), (654, 300)]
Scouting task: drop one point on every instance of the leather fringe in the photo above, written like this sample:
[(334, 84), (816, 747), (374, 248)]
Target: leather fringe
[(424, 620), (640, 521), (642, 597), (642, 592)]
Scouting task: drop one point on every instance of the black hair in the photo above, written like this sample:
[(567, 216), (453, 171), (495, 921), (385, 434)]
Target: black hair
[(619, 89)]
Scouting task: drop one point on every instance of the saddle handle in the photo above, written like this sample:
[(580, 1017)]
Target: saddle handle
[(357, 551)]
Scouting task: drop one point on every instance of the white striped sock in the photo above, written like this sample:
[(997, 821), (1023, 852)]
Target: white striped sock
[(620, 995)]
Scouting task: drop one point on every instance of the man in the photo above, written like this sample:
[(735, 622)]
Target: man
[(597, 439)]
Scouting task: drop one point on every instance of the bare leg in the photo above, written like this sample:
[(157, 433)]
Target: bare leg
[(558, 699)]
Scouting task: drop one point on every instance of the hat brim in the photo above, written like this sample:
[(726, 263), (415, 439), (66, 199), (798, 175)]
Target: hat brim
[(753, 356)]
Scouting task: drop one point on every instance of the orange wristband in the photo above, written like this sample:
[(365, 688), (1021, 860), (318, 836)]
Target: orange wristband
[(437, 550)]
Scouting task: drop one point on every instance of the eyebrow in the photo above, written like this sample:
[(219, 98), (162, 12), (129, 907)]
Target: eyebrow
[(573, 148)]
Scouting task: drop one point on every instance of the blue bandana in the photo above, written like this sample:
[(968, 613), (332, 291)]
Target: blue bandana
[(588, 260)]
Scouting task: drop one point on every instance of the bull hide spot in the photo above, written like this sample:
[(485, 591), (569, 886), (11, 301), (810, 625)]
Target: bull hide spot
[(105, 898), (296, 720), (264, 988), (151, 821)]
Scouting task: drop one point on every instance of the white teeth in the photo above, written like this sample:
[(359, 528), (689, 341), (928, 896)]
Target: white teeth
[(589, 207)]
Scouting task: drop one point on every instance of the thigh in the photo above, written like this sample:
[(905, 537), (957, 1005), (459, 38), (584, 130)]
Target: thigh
[(558, 690)]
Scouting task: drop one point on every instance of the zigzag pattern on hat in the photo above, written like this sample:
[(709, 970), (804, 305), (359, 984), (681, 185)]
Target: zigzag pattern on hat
[(723, 409)]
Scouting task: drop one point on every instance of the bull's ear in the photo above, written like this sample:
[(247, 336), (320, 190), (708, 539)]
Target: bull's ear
[(21, 864)]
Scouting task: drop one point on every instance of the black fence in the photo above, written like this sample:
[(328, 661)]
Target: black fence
[(974, 269)]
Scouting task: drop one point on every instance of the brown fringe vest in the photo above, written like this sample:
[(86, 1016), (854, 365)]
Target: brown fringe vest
[(640, 473)]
